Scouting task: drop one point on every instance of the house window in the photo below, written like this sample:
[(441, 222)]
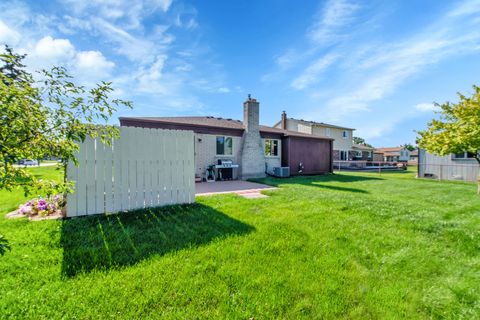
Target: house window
[(358, 154), (345, 134), (271, 147), (328, 132), (370, 154), (344, 155), (463, 155), (224, 146)]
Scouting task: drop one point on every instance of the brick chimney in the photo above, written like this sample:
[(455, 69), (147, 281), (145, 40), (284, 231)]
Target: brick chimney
[(252, 162), (284, 120)]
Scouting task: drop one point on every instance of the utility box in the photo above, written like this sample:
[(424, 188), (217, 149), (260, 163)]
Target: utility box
[(281, 172)]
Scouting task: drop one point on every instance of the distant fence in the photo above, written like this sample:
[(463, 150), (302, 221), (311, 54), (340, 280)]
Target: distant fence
[(446, 168), (144, 168), (367, 166), (461, 172)]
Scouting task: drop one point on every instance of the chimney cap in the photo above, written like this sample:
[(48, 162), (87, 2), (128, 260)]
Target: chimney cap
[(250, 99)]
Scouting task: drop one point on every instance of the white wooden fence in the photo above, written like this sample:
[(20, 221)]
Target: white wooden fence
[(144, 168)]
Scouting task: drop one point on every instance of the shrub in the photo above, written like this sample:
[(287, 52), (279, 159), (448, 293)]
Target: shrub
[(3, 245)]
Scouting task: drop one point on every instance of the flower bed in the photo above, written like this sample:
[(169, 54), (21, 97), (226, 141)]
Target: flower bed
[(42, 207)]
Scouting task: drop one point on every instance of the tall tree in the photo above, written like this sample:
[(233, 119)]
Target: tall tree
[(409, 146), (358, 140), (47, 118), (13, 67), (457, 130)]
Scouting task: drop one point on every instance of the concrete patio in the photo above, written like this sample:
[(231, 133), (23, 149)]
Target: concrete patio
[(244, 188)]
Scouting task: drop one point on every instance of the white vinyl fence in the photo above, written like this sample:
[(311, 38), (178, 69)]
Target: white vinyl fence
[(446, 168), (144, 168)]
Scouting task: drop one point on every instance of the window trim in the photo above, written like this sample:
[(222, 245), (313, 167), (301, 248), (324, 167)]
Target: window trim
[(345, 134), (224, 155), (265, 147), (465, 156), (346, 155), (328, 132)]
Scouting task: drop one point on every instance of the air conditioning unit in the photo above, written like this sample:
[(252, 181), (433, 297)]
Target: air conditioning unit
[(281, 172)]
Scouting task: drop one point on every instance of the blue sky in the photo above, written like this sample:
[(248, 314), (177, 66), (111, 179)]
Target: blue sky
[(376, 66)]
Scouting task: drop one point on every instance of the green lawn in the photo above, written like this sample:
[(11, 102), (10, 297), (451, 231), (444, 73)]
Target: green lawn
[(350, 245)]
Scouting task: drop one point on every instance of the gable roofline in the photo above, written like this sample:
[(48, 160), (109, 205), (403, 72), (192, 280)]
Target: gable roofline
[(321, 124), (216, 125)]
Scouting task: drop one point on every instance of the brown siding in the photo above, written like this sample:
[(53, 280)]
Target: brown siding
[(316, 155)]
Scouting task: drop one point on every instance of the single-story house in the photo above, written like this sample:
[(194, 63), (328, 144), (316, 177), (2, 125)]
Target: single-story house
[(394, 154), (460, 166), (343, 136), (362, 152), (256, 149)]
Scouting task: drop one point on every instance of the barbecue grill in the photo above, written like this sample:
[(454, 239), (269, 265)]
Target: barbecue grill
[(225, 169)]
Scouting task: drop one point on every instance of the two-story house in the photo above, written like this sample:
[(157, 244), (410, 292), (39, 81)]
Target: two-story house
[(343, 136)]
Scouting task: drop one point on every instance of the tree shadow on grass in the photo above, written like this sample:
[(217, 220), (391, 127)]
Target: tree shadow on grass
[(104, 242), (337, 188)]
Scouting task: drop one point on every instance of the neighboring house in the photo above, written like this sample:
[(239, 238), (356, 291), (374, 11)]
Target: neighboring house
[(378, 156), (394, 154), (362, 152), (343, 137), (255, 148), (461, 166), (413, 158)]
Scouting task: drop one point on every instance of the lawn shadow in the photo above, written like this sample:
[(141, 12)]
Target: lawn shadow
[(337, 188), (316, 181), (103, 242)]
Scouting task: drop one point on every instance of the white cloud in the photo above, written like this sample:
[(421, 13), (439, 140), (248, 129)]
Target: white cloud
[(426, 107), (466, 8), (223, 90), (140, 59), (54, 50), (8, 35), (313, 71), (129, 13), (335, 15), (93, 61), (390, 65)]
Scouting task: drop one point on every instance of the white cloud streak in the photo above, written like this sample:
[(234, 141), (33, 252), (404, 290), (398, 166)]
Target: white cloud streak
[(335, 16), (426, 107), (312, 73)]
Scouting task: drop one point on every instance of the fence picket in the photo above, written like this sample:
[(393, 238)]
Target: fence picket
[(125, 163), (118, 174), (81, 185), (90, 175), (99, 176), (109, 190)]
